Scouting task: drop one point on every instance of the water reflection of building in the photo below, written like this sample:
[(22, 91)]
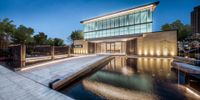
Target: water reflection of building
[(129, 77), (128, 66), (115, 93)]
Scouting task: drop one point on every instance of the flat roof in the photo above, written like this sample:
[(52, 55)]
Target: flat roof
[(121, 12)]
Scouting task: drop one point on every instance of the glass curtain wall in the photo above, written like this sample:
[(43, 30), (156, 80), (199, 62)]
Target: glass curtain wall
[(133, 23), (111, 47)]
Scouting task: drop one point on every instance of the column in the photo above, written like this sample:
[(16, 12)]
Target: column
[(22, 55), (52, 52)]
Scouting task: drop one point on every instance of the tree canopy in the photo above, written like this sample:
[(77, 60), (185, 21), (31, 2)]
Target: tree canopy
[(6, 29), (58, 42), (50, 41), (183, 29), (76, 35), (22, 35), (40, 38)]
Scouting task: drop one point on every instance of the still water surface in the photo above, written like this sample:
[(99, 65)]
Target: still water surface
[(130, 78)]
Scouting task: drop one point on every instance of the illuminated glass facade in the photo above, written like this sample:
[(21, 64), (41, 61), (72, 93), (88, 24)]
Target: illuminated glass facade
[(131, 23)]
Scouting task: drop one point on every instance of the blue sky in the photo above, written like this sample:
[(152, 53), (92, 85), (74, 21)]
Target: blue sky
[(58, 18)]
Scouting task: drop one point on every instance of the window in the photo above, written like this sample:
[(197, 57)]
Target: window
[(100, 34), (85, 28), (149, 16), (137, 18), (104, 33), (121, 31), (131, 19), (117, 22), (108, 23), (100, 25), (97, 34), (143, 28), (112, 33), (126, 19), (116, 31), (131, 29), (108, 32), (139, 22), (149, 27), (125, 30), (112, 23), (143, 16), (104, 24), (92, 26), (121, 21), (137, 29)]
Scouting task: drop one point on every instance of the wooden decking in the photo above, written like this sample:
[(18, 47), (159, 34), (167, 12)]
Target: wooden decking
[(16, 87)]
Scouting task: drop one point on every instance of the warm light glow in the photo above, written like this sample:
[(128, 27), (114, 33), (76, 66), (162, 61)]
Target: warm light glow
[(119, 14), (158, 52), (52, 62), (145, 59), (192, 92), (165, 52), (172, 53), (140, 52), (151, 52), (145, 52), (126, 71)]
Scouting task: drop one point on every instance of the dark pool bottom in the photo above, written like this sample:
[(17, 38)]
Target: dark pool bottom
[(129, 78)]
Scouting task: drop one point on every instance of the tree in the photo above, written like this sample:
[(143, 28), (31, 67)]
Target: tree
[(166, 27), (23, 35), (6, 29), (76, 35), (50, 41), (40, 39), (183, 29), (58, 42)]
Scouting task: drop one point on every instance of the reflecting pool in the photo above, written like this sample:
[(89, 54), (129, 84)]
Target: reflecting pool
[(131, 79)]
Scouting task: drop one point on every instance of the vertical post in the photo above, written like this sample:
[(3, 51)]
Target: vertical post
[(22, 55), (52, 52), (68, 51), (95, 48)]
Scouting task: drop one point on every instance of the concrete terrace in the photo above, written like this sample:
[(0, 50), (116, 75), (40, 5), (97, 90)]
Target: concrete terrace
[(16, 87), (47, 72)]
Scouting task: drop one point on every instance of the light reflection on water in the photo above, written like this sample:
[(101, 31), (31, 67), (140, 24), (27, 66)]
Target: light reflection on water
[(130, 78)]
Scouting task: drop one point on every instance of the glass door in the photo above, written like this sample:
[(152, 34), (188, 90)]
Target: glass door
[(112, 47), (108, 48)]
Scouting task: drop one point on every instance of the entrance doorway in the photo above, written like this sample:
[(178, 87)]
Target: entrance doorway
[(111, 47)]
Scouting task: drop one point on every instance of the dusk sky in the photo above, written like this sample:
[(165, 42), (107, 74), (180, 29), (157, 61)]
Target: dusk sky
[(58, 18)]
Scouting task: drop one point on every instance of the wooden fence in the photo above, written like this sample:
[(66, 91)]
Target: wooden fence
[(18, 54)]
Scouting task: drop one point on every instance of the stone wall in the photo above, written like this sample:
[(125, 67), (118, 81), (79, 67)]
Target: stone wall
[(158, 44), (80, 47)]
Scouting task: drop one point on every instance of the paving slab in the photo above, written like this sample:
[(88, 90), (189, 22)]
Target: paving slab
[(16, 87), (57, 69)]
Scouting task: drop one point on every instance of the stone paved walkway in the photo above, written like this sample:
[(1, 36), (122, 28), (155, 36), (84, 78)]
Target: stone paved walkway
[(57, 69), (16, 87)]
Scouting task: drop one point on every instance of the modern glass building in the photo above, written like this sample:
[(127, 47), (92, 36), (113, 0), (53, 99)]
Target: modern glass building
[(127, 32), (131, 21)]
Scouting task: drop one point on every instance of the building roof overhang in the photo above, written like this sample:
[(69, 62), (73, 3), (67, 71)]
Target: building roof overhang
[(151, 6)]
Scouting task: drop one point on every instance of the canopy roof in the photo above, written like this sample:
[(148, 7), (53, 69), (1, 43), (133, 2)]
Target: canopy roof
[(151, 6)]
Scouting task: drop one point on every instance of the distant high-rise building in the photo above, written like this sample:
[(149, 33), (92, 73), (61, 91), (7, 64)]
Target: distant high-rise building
[(195, 20)]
